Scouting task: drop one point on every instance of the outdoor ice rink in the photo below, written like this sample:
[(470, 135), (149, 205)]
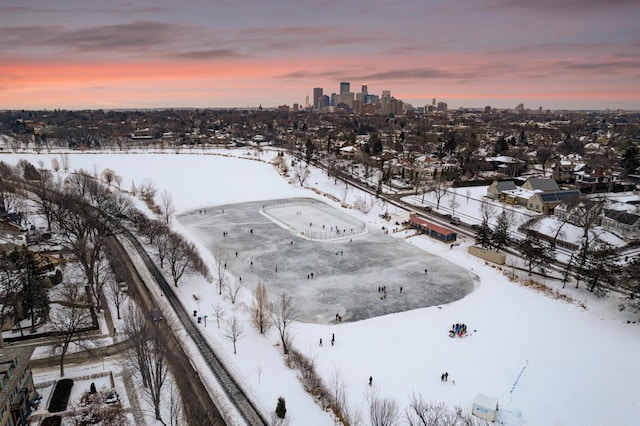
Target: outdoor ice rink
[(328, 261)]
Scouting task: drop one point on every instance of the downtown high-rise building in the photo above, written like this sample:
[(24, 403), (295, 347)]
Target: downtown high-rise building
[(318, 98), (345, 87)]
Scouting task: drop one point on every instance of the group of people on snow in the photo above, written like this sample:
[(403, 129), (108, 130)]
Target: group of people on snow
[(458, 329)]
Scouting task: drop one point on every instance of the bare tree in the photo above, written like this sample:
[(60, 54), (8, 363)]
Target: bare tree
[(151, 228), (9, 198), (428, 413), (162, 244), (116, 295), (233, 331), (167, 208), (70, 319), (301, 172), (284, 314), (339, 402), (55, 165), (102, 274), (108, 176), (146, 355), (345, 192), (586, 213), (439, 187), (382, 411), (234, 288), (260, 311), (85, 228), (176, 414), (220, 263), (453, 202), (365, 205), (487, 211), (180, 257), (66, 162), (46, 190), (147, 190), (218, 312)]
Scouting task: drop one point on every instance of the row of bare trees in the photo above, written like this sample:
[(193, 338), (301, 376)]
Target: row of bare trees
[(172, 250)]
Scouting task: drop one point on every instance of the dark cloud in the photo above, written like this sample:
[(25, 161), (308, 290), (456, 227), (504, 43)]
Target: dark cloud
[(208, 54), (25, 10), (394, 75), (133, 36), (129, 36), (428, 73), (555, 7), (305, 37), (606, 66)]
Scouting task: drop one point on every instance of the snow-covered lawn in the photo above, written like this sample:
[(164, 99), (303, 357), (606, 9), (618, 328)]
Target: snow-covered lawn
[(548, 362)]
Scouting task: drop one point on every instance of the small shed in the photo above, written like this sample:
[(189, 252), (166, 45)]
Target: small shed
[(485, 407)]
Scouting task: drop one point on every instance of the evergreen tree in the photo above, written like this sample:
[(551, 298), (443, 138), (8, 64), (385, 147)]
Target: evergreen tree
[(375, 144), (630, 158), (601, 273), (281, 409), (309, 151), (452, 144), (631, 284), (500, 237), (484, 235), (537, 253), (32, 295)]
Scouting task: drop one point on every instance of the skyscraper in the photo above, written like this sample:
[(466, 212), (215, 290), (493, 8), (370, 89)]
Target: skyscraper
[(318, 98), (345, 87)]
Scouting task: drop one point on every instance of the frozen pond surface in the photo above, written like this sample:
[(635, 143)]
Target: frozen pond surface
[(347, 269)]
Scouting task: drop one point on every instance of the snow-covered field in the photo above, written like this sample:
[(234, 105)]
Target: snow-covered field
[(548, 362)]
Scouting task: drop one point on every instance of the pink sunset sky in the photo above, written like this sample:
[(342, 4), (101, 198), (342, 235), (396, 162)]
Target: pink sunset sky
[(558, 54)]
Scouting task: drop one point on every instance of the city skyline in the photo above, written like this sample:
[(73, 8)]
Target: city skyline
[(565, 54)]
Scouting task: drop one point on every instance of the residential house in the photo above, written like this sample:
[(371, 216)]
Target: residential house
[(562, 171), (498, 187), (621, 223), (348, 152), (596, 177), (538, 194)]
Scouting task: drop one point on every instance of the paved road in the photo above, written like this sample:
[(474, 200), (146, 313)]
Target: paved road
[(199, 408), (245, 406)]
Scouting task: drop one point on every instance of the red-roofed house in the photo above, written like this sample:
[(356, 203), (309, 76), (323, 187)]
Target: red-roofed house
[(435, 231)]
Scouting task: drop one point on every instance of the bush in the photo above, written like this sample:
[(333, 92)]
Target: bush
[(60, 397), (281, 409)]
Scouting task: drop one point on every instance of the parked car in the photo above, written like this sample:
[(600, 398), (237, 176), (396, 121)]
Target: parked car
[(476, 226), (455, 220), (427, 208), (446, 216)]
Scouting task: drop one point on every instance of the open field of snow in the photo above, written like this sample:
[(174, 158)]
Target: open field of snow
[(547, 361)]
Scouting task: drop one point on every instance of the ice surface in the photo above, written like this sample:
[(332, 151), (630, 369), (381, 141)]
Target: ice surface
[(347, 272)]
